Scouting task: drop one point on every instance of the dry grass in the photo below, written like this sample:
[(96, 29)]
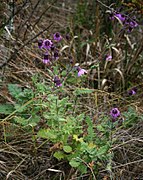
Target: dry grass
[(21, 156)]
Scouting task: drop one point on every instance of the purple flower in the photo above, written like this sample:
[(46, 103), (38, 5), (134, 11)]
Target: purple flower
[(115, 113), (121, 17), (133, 91), (56, 55), (130, 29), (57, 81), (130, 24), (47, 44), (108, 57), (67, 37), (46, 59), (71, 60), (133, 24), (57, 36), (40, 43), (111, 16), (81, 71)]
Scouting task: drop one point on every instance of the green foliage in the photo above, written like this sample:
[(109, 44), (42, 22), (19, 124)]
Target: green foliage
[(79, 145), (131, 117), (67, 149), (6, 109), (59, 155), (91, 134), (14, 90), (63, 123), (74, 163), (80, 91), (84, 15)]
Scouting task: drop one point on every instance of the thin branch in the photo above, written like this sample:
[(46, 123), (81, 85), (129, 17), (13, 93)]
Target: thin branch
[(15, 52), (3, 25)]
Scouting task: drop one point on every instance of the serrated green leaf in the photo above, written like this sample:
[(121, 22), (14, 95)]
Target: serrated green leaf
[(100, 128), (14, 90), (63, 73), (6, 109), (102, 150), (59, 155), (71, 80), (82, 168), (74, 163), (80, 91), (63, 101), (21, 121), (90, 128), (34, 120), (47, 134), (62, 120), (67, 149)]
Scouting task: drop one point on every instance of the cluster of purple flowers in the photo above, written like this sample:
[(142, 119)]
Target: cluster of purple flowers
[(51, 54), (129, 23), (51, 51)]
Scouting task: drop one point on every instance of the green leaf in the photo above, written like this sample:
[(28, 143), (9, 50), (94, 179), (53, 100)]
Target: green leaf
[(14, 90), (100, 128), (47, 134), (71, 80), (67, 149), (6, 109), (102, 150), (63, 73), (82, 168), (90, 129), (34, 120), (63, 101), (21, 121), (74, 163), (62, 120), (80, 91), (59, 155), (80, 117)]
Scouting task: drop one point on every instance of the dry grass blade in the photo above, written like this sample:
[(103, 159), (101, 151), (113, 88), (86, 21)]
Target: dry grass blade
[(135, 57), (122, 76)]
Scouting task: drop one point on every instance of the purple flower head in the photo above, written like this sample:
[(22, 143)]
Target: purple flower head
[(115, 113), (121, 17), (111, 16), (47, 44), (67, 37), (133, 91), (56, 55), (81, 71), (57, 36), (71, 60), (130, 29), (57, 81), (46, 59), (133, 24), (40, 43), (108, 57)]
